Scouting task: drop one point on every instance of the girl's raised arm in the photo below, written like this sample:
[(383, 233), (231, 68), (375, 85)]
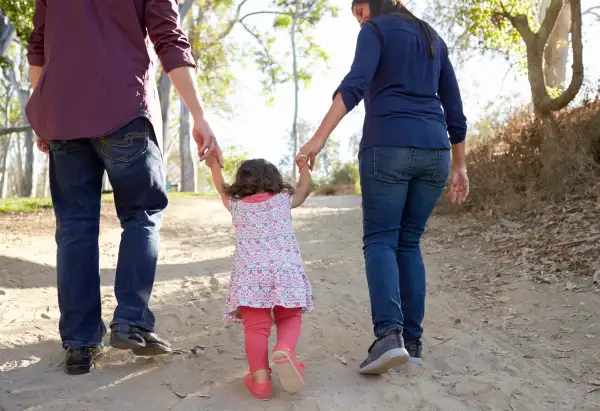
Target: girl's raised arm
[(218, 179), (303, 187)]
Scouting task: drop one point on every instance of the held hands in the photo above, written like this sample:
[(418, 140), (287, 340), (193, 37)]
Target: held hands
[(206, 141), (458, 186), (308, 152), (212, 161)]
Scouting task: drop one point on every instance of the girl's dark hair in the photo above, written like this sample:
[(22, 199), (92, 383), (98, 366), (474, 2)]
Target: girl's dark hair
[(396, 7), (257, 176)]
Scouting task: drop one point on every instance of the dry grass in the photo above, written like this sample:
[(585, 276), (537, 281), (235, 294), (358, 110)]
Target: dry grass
[(537, 207), (506, 169)]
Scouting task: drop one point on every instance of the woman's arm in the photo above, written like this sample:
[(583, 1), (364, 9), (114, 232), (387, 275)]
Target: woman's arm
[(349, 93), (218, 179), (456, 122), (303, 188)]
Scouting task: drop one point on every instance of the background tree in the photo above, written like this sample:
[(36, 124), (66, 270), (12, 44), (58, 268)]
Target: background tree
[(297, 17), (510, 27)]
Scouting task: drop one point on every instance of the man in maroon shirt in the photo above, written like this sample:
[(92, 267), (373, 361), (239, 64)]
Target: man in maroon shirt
[(95, 108)]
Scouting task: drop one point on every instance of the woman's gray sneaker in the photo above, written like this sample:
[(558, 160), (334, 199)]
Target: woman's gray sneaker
[(385, 353), (414, 351)]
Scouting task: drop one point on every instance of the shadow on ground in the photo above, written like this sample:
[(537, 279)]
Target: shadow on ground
[(208, 362)]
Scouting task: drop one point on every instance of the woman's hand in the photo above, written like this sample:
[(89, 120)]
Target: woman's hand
[(458, 186), (309, 151)]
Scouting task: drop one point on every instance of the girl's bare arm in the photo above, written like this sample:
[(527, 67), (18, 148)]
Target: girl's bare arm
[(218, 179), (303, 188)]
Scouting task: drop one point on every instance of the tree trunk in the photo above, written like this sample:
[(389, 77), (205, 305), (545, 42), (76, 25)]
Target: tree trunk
[(164, 91), (7, 33), (557, 51), (296, 90), (26, 189), (188, 183), (5, 165), (164, 96), (46, 178)]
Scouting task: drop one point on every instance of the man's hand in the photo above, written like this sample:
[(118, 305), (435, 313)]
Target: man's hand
[(42, 145), (206, 141)]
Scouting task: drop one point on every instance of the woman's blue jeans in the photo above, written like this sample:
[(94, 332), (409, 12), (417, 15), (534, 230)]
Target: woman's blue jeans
[(400, 187)]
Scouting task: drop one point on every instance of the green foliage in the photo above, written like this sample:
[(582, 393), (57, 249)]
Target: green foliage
[(209, 23), (234, 157), (488, 21), (20, 14), (345, 173)]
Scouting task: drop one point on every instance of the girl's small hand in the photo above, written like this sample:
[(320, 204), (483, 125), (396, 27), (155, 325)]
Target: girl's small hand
[(309, 152)]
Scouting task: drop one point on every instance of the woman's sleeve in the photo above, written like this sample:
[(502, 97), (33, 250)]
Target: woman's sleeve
[(35, 52), (366, 60), (449, 93)]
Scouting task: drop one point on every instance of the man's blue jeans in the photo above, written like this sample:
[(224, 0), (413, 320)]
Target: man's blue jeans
[(400, 187), (133, 163)]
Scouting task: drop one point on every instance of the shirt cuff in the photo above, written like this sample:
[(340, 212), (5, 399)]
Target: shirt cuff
[(35, 59), (347, 97), (176, 58), (457, 139)]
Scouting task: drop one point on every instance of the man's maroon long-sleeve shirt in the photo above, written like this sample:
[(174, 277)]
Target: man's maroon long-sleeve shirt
[(98, 73)]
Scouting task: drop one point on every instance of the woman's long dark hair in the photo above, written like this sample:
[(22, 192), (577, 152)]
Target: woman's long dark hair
[(396, 7)]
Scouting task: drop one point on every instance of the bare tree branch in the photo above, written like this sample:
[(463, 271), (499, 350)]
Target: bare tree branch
[(521, 23), (230, 26), (550, 19), (256, 13), (17, 129), (592, 11)]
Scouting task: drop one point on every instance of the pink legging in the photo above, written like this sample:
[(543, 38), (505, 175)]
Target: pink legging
[(257, 328)]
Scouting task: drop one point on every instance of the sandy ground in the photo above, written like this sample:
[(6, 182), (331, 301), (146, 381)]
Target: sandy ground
[(494, 341)]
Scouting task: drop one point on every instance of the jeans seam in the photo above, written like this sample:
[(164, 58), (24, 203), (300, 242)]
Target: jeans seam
[(436, 176)]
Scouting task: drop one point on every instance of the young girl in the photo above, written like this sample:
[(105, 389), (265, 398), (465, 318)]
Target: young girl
[(267, 278)]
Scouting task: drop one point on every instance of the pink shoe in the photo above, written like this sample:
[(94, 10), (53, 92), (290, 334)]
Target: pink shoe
[(289, 370), (262, 391)]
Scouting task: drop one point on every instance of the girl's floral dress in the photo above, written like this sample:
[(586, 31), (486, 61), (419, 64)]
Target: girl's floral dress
[(267, 266)]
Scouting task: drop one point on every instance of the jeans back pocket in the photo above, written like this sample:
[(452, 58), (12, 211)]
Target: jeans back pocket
[(393, 164), (127, 143)]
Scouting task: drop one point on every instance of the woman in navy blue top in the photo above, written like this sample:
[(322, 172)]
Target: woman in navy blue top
[(414, 120)]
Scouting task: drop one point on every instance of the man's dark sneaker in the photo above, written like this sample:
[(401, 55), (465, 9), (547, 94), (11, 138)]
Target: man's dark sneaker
[(385, 353), (81, 360), (138, 340), (414, 350)]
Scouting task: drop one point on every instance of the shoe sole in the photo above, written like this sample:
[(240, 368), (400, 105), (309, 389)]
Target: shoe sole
[(415, 361), (120, 344), (80, 369), (152, 350), (147, 351), (289, 377), (390, 359), (254, 396)]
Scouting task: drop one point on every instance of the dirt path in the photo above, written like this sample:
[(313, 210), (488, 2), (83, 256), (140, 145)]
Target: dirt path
[(493, 342)]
